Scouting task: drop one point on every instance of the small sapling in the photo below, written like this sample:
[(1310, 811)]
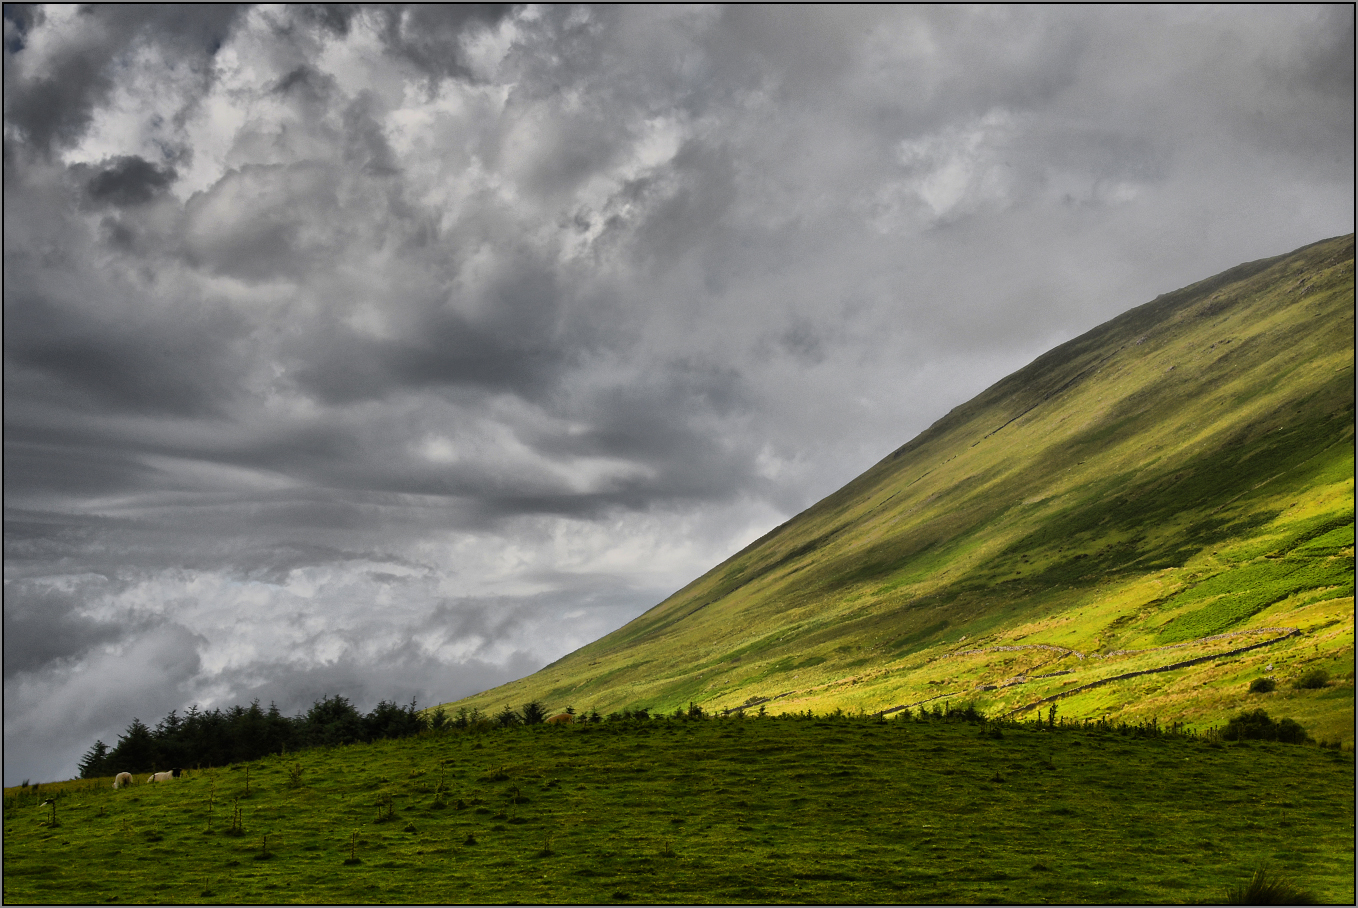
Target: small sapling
[(237, 824)]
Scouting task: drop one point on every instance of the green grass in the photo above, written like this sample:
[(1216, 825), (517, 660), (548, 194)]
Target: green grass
[(711, 811), (1183, 471)]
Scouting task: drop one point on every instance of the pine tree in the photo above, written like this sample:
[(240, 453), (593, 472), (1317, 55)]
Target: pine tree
[(95, 762), (136, 750)]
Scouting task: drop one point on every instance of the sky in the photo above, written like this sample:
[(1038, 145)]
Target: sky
[(396, 353)]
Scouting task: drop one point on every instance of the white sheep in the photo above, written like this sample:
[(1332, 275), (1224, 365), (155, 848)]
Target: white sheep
[(165, 776), (122, 780)]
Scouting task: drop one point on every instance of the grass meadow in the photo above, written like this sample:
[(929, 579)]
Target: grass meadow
[(787, 809)]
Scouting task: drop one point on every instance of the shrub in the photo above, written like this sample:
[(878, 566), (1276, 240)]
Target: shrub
[(1262, 685), (641, 713), (1312, 680), (507, 717), (1291, 732), (386, 808), (1256, 725), (534, 713), (1268, 888)]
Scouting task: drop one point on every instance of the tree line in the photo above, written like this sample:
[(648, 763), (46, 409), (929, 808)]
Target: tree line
[(219, 737), (240, 733)]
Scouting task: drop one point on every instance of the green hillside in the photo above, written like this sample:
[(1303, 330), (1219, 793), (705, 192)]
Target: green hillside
[(1110, 526)]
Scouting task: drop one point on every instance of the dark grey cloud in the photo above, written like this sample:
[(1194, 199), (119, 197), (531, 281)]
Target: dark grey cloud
[(61, 468), (18, 19), (394, 351), (430, 35), (332, 17), (44, 626), (95, 356), (450, 350), (128, 180), (51, 104)]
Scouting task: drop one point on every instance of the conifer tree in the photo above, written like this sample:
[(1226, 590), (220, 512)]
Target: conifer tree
[(95, 762), (136, 750)]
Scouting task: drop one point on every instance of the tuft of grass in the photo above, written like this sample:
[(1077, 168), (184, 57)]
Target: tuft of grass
[(1267, 887)]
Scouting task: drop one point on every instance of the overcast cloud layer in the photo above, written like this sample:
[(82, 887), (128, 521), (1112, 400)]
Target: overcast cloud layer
[(397, 353)]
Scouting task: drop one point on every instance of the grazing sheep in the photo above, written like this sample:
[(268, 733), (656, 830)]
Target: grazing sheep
[(562, 719), (165, 776), (122, 780)]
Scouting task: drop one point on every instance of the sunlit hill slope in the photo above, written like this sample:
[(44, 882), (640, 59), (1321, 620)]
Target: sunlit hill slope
[(1140, 523)]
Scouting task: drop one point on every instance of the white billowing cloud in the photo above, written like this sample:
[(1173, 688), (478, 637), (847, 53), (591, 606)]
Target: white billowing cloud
[(396, 352)]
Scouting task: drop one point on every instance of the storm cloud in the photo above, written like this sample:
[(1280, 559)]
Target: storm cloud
[(395, 352)]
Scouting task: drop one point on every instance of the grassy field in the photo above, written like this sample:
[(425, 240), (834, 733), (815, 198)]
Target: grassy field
[(1182, 472), (837, 810)]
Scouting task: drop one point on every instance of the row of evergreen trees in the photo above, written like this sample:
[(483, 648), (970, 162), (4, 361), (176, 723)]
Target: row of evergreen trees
[(240, 733)]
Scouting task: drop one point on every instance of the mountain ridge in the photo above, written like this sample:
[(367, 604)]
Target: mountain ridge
[(1118, 464)]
